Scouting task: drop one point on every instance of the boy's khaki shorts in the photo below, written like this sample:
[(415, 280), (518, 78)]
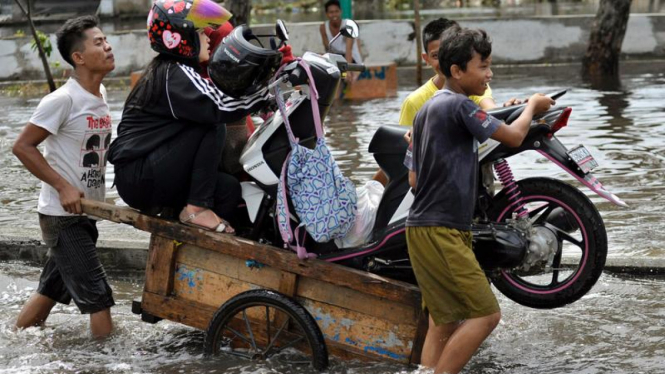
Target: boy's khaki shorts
[(453, 286)]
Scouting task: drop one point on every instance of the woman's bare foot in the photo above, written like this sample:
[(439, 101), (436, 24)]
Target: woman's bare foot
[(205, 218)]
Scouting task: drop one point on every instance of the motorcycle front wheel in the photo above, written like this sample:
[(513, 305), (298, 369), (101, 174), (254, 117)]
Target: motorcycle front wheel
[(580, 259)]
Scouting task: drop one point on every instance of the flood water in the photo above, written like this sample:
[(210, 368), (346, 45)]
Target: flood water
[(616, 328)]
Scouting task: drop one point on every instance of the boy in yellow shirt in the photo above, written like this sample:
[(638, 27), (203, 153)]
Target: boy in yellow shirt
[(431, 35)]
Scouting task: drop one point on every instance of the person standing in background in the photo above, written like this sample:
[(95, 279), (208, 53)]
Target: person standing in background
[(347, 47)]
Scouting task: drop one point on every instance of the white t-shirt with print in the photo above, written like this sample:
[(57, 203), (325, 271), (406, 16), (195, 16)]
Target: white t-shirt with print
[(80, 127)]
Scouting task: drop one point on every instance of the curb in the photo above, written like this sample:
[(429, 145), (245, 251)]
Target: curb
[(115, 255), (132, 255)]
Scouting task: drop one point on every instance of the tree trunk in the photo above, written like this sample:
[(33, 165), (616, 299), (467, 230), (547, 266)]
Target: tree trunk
[(607, 32), (47, 70), (240, 9)]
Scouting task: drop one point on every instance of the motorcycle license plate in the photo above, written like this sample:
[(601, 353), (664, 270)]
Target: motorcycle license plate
[(583, 159)]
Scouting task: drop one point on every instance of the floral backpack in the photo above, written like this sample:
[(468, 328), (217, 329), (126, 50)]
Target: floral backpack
[(323, 199)]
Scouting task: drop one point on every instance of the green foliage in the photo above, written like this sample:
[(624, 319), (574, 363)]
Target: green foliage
[(19, 33), (399, 4), (46, 43)]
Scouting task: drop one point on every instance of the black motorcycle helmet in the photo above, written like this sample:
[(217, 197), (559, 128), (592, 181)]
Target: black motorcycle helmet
[(240, 68)]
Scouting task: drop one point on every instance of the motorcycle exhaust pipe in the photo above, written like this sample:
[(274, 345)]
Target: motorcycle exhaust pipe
[(562, 220)]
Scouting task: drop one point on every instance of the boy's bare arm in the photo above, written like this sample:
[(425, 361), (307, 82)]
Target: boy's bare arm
[(412, 179), (25, 149), (512, 135)]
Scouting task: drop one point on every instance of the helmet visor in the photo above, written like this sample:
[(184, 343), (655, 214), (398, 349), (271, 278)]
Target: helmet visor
[(205, 13)]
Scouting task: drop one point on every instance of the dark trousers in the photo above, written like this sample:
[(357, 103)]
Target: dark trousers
[(183, 170), (73, 269)]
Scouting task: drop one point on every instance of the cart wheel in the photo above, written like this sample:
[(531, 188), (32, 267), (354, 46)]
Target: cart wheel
[(263, 324)]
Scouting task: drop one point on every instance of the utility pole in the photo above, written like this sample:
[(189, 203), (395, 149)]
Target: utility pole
[(347, 9)]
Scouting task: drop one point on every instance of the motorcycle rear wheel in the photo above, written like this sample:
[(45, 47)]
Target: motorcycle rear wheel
[(583, 248)]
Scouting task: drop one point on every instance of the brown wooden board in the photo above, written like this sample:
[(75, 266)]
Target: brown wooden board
[(192, 257), (160, 266), (355, 321), (377, 81), (190, 313), (192, 272), (363, 282)]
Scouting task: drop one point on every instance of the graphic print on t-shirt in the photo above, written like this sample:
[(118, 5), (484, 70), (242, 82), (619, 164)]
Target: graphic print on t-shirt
[(93, 150), (481, 116)]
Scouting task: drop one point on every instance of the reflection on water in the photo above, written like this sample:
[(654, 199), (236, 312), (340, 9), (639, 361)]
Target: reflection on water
[(613, 329), (622, 127)]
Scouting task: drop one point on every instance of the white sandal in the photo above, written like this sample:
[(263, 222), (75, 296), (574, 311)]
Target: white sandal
[(221, 228)]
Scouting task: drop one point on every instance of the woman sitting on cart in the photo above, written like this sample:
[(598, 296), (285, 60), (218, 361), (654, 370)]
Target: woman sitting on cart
[(171, 136)]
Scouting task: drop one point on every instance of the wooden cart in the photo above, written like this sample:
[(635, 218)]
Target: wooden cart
[(221, 284)]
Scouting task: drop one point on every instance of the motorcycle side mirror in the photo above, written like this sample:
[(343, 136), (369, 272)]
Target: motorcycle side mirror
[(280, 30), (349, 29)]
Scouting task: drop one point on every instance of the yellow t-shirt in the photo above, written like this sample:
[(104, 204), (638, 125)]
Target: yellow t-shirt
[(419, 97)]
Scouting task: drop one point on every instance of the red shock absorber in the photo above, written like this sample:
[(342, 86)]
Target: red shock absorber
[(505, 175)]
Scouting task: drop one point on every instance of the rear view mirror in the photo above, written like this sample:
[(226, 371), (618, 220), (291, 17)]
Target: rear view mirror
[(280, 30), (350, 29)]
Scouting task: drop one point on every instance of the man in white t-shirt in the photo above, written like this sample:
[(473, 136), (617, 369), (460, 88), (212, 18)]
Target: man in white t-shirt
[(74, 123)]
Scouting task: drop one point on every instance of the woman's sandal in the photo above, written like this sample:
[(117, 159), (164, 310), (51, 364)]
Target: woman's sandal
[(221, 228)]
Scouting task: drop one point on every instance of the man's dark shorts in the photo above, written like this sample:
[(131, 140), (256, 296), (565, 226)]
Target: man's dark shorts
[(73, 270)]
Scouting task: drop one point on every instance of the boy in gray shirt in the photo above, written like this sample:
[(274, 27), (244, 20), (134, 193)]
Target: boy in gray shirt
[(443, 173)]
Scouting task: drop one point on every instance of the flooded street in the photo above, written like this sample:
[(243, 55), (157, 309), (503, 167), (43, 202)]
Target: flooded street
[(616, 328), (623, 128)]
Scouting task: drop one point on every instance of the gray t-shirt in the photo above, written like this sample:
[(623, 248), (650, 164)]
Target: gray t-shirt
[(446, 134)]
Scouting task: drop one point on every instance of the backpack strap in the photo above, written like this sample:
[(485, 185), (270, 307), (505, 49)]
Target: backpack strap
[(313, 98), (287, 232)]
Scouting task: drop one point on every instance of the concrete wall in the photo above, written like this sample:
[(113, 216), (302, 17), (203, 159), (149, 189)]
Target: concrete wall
[(20, 62), (122, 7), (516, 41)]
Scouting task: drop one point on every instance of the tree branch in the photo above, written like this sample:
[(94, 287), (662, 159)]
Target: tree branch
[(40, 48)]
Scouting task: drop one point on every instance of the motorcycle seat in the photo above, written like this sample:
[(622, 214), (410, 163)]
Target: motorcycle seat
[(389, 140)]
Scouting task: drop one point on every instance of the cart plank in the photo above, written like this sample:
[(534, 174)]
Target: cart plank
[(187, 312), (380, 328), (271, 256), (191, 260), (160, 266), (192, 272)]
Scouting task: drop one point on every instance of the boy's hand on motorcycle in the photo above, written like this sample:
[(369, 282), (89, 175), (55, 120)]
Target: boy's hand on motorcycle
[(287, 55), (407, 136), (513, 101), (540, 103)]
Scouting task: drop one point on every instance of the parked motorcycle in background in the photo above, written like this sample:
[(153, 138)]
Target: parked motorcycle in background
[(541, 241)]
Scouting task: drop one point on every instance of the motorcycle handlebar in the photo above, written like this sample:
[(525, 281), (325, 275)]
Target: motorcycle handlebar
[(297, 77), (355, 67)]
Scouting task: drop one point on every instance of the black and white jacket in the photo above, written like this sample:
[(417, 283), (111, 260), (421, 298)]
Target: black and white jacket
[(188, 100)]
